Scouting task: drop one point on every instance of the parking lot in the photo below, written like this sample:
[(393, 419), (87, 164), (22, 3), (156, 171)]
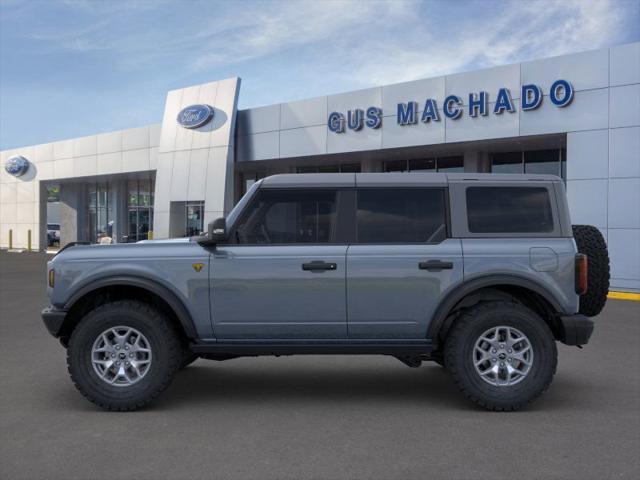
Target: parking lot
[(309, 416)]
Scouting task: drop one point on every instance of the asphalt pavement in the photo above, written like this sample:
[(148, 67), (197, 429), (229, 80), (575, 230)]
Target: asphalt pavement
[(361, 417)]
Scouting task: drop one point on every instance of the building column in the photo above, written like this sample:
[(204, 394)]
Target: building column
[(477, 162), (72, 212)]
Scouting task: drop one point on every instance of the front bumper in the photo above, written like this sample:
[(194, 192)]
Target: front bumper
[(575, 329), (54, 320)]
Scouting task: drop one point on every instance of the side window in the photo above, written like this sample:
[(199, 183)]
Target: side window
[(289, 216), (388, 215), (509, 210)]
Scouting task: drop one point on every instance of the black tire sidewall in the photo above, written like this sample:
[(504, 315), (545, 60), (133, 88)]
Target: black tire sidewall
[(152, 326), (460, 359)]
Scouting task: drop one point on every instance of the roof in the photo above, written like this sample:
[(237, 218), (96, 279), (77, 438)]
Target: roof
[(391, 179)]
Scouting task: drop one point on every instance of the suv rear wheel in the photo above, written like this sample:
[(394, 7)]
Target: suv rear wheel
[(501, 355), (123, 354)]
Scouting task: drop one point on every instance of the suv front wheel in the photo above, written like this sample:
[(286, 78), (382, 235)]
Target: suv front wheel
[(124, 354), (501, 355)]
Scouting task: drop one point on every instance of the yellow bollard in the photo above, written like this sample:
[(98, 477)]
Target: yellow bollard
[(10, 239), (29, 240), (150, 235)]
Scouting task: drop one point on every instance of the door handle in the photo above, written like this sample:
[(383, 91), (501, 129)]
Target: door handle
[(319, 266), (435, 265)]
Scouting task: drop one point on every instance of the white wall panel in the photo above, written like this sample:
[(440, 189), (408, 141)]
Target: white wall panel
[(135, 138), (258, 120), (394, 135), (63, 168), (135, 160), (197, 174), (153, 158), (63, 149), (624, 203), (163, 183), (489, 80), (43, 153), (154, 135), (110, 163), (625, 106), (180, 176), (303, 141), (260, 146), (588, 111), (85, 146), (304, 113), (585, 71), (468, 128), (110, 142), (624, 152), (223, 122), (587, 154), (45, 170), (85, 166), (169, 125), (625, 64), (417, 91), (624, 249), (357, 99), (588, 202)]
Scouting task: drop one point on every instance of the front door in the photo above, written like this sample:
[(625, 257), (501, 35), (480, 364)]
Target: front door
[(401, 263), (283, 275)]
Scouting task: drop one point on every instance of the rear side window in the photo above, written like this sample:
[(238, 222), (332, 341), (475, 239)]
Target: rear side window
[(288, 217), (509, 210), (386, 215)]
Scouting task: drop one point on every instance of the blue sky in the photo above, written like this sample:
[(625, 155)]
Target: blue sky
[(73, 68)]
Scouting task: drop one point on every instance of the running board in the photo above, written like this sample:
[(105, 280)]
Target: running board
[(313, 348)]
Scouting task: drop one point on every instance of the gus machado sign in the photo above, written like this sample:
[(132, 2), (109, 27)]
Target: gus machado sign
[(560, 95)]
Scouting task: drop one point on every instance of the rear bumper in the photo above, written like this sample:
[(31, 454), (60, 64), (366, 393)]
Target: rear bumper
[(53, 319), (575, 329)]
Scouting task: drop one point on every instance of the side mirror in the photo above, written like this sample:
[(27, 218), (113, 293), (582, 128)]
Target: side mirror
[(217, 230)]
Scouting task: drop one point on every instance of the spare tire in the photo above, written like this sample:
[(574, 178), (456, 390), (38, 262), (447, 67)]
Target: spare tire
[(590, 242)]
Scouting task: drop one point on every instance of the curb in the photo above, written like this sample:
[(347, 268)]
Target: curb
[(635, 297)]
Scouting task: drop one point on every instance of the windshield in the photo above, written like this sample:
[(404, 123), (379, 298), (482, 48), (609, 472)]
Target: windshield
[(233, 215)]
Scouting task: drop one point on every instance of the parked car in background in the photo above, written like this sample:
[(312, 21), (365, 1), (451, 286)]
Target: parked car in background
[(53, 234)]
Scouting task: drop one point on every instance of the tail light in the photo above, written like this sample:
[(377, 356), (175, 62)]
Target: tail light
[(582, 269)]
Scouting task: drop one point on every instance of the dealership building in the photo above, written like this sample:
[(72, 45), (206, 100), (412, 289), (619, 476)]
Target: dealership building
[(575, 116)]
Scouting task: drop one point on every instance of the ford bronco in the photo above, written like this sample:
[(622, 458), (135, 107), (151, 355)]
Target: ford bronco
[(481, 273)]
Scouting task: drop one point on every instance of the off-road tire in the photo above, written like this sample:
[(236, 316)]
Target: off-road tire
[(590, 241), (460, 343), (154, 325)]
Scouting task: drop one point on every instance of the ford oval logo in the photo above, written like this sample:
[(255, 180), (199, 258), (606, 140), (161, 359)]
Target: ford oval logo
[(195, 116), (16, 166)]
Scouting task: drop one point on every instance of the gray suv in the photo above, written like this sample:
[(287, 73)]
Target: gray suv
[(481, 273)]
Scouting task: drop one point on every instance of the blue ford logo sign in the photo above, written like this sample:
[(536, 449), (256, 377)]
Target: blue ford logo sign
[(195, 116), (16, 166)]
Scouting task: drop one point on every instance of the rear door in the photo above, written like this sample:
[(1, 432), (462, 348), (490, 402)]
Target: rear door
[(284, 277), (401, 263)]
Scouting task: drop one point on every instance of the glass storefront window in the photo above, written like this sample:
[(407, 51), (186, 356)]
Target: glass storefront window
[(507, 162), (439, 164), (100, 212), (194, 219), (140, 209), (451, 164), (551, 161), (542, 161), (340, 168)]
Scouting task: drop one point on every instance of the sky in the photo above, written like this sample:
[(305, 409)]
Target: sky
[(70, 68)]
